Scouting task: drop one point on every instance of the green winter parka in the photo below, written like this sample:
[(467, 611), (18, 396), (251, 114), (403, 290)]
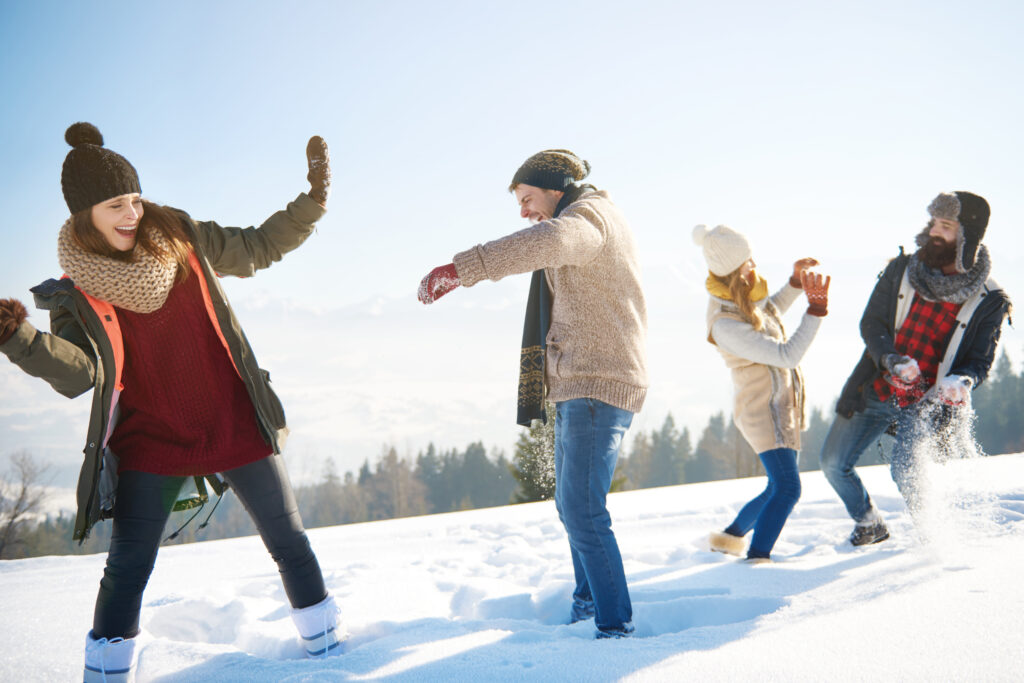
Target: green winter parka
[(79, 352)]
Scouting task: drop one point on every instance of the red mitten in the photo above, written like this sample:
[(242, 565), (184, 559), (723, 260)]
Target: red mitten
[(12, 314), (439, 282)]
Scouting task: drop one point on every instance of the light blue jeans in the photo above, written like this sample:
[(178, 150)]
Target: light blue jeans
[(847, 440), (767, 513), (588, 435)]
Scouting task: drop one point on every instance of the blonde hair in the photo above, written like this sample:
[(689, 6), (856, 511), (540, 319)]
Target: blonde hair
[(739, 293)]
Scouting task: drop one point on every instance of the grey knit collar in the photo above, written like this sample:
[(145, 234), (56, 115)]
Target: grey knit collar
[(954, 289)]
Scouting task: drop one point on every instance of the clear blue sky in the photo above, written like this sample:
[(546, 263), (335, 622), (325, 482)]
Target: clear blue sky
[(816, 128)]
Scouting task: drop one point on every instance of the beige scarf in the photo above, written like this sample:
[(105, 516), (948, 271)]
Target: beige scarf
[(140, 285)]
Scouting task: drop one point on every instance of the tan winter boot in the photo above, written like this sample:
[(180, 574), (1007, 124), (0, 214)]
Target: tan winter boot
[(726, 543)]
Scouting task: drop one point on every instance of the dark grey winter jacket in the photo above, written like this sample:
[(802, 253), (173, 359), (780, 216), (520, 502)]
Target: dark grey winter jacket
[(980, 323)]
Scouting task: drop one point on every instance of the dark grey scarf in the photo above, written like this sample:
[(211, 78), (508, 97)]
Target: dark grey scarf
[(954, 289)]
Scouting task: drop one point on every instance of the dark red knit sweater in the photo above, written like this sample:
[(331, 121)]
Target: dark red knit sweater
[(184, 409)]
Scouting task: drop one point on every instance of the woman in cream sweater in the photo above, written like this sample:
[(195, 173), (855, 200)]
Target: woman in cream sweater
[(745, 325)]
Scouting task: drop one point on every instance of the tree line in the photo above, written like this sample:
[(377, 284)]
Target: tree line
[(437, 481)]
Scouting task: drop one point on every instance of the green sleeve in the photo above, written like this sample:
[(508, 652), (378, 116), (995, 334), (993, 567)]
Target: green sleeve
[(63, 359), (243, 251)]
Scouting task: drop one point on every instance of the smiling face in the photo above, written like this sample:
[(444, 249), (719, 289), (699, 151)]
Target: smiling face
[(117, 219), (536, 204), (944, 229)]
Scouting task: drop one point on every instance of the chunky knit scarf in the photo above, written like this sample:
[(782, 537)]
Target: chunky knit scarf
[(140, 285), (954, 289)]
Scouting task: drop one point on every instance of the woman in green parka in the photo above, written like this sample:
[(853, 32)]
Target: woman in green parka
[(140, 319)]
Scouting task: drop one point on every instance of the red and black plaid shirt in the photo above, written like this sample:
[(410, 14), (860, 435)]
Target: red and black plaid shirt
[(923, 336)]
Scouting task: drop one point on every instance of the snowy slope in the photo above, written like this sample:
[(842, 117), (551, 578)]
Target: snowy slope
[(482, 595)]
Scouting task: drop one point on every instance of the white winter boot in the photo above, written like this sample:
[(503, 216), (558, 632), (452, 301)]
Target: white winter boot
[(318, 626), (722, 542), (109, 660)]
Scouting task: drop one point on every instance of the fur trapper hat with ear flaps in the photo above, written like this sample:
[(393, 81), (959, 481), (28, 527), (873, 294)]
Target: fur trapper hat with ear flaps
[(725, 250), (972, 213)]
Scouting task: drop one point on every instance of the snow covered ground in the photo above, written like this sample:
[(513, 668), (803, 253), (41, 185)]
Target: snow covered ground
[(483, 595)]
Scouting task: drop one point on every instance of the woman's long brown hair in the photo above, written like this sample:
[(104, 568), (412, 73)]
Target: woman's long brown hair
[(739, 292), (154, 218)]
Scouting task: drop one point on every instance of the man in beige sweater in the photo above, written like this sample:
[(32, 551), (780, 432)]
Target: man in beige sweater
[(594, 353)]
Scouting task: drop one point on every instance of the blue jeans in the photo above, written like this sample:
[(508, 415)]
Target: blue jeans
[(767, 513), (847, 440), (588, 435)]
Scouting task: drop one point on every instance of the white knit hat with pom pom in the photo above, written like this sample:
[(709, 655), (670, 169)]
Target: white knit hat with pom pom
[(725, 250)]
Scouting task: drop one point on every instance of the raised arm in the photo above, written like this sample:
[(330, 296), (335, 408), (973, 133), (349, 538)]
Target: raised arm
[(741, 339), (243, 251)]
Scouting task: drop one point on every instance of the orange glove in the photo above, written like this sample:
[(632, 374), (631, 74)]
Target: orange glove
[(816, 289)]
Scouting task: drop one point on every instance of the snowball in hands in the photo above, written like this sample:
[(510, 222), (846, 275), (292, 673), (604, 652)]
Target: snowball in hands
[(955, 389)]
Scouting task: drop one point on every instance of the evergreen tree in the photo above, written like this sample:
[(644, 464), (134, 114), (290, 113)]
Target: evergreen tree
[(533, 464), (706, 463), (394, 489), (813, 439), (638, 465), (666, 465)]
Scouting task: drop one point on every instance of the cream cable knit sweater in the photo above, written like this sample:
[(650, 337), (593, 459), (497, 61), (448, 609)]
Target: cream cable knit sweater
[(597, 344)]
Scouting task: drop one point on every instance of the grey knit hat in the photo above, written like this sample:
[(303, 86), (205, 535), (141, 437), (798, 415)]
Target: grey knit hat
[(92, 173), (972, 213), (725, 250), (552, 169)]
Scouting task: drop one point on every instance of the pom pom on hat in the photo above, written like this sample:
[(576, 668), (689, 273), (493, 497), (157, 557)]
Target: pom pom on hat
[(83, 133), (725, 250), (700, 232)]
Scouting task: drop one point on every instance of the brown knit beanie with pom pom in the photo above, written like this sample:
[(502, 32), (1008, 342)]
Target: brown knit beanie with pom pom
[(92, 173)]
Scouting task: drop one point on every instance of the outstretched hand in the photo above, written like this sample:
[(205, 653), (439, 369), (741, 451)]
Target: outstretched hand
[(799, 268), (815, 288), (437, 283), (319, 169), (12, 314)]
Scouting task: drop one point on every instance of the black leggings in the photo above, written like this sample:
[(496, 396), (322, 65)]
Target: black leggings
[(141, 510)]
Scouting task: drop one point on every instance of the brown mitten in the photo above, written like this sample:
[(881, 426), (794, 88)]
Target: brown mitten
[(319, 176), (12, 314)]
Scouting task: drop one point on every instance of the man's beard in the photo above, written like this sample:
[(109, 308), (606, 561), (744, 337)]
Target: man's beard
[(937, 253)]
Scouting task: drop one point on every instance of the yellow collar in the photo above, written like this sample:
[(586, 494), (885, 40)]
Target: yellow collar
[(717, 289)]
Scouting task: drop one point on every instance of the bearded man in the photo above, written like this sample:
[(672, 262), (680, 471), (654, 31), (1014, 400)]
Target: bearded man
[(930, 331)]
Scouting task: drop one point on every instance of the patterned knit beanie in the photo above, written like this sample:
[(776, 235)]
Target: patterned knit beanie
[(93, 173), (972, 213), (725, 250), (552, 169)]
